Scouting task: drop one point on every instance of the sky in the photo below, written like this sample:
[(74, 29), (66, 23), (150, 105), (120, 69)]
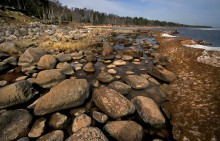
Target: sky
[(193, 12)]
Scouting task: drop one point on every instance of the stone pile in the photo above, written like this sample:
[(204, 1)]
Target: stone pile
[(72, 94)]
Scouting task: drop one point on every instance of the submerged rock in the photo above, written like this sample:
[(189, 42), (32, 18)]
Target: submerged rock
[(105, 77), (67, 94), (112, 103), (89, 67)]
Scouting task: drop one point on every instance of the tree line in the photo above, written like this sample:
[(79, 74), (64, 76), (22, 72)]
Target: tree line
[(54, 11)]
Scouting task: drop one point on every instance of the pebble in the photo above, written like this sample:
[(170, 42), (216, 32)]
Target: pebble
[(112, 71)]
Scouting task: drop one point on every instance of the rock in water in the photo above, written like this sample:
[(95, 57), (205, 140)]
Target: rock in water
[(67, 94), (162, 74), (88, 134), (14, 124), (136, 82), (112, 103), (125, 130), (89, 67), (120, 87), (16, 93), (56, 135), (49, 78), (148, 111), (105, 77)]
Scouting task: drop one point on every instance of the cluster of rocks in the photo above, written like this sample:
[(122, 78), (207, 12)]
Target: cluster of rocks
[(58, 100)]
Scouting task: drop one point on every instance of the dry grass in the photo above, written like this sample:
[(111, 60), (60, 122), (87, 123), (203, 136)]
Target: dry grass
[(79, 45)]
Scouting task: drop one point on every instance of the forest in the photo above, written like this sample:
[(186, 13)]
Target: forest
[(53, 11)]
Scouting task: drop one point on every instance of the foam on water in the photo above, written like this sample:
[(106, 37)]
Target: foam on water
[(168, 35), (204, 47)]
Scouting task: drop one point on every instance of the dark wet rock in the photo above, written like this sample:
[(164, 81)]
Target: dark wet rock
[(88, 134), (125, 130), (47, 62), (89, 67), (61, 57), (119, 63), (14, 124), (13, 60), (58, 121), (107, 52), (63, 96), (162, 74), (136, 81), (127, 58), (4, 66), (81, 121), (16, 93), (120, 87), (49, 78), (10, 48), (100, 117), (4, 55), (149, 111), (38, 128), (30, 57), (112, 103), (56, 135), (90, 56), (65, 68), (105, 77)]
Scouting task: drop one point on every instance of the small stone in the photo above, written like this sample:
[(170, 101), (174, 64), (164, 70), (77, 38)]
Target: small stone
[(38, 128), (129, 72), (119, 63), (78, 111), (127, 58), (89, 67), (120, 87), (154, 81), (146, 76), (136, 81), (105, 77), (111, 66), (65, 68), (3, 83), (117, 77), (24, 139), (112, 71), (80, 122), (63, 57), (136, 63), (107, 61), (100, 117), (58, 121), (95, 83)]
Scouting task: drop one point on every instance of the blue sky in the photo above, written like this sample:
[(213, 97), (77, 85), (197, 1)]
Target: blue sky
[(195, 12)]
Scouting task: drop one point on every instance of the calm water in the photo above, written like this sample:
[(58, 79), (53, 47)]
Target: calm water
[(211, 35)]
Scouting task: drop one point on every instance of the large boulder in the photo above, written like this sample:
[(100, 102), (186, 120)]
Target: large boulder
[(14, 124), (30, 57), (162, 74), (10, 48), (47, 62), (49, 78), (112, 103), (105, 77), (136, 81), (16, 93), (88, 134), (56, 135), (125, 130), (148, 111), (120, 87), (67, 94)]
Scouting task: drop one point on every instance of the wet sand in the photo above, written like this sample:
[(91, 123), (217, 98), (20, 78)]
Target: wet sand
[(195, 104)]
